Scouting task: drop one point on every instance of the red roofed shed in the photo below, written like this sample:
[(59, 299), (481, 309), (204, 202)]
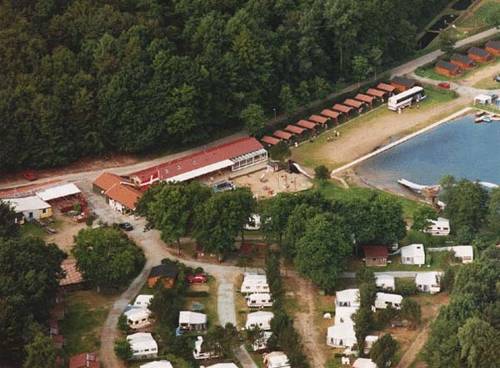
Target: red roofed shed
[(479, 55), (342, 108), (375, 255), (365, 98), (386, 87), (358, 105), (271, 141), (331, 114), (283, 135), (306, 124), (84, 360), (295, 129), (377, 93), (318, 119), (493, 47)]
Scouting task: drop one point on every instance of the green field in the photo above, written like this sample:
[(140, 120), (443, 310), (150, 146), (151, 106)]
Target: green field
[(85, 314), (481, 16)]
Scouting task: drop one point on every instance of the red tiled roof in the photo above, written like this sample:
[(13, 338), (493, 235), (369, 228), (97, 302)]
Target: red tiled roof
[(306, 124), (342, 108), (84, 360), (353, 103), (294, 129), (199, 159), (330, 113), (124, 194), (282, 134), (73, 276), (375, 251), (318, 119), (106, 180), (376, 92), (270, 140), (386, 87), (364, 98)]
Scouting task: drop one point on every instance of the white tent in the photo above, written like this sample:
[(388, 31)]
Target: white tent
[(364, 363), (138, 317), (344, 314), (58, 191), (428, 282), (276, 359), (386, 282), (341, 335), (143, 345), (347, 298), (157, 364), (483, 99), (261, 319), (413, 254), (192, 320), (385, 300), (254, 283), (143, 300)]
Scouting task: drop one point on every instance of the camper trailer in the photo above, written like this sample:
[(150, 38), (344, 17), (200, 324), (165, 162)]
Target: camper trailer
[(259, 300)]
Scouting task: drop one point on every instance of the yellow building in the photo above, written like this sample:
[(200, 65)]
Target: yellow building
[(31, 208)]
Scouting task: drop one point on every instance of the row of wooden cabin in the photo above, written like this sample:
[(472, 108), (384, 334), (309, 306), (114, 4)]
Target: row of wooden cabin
[(460, 62), (339, 112)]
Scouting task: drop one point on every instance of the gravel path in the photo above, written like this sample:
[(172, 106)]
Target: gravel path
[(155, 250)]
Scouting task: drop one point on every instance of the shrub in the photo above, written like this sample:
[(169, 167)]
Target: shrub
[(321, 172), (122, 324), (123, 349), (406, 287)]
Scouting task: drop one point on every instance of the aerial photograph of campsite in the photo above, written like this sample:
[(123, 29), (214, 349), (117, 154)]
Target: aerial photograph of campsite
[(250, 184)]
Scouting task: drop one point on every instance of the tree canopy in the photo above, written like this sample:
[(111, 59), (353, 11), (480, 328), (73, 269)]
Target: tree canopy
[(85, 77), (106, 257)]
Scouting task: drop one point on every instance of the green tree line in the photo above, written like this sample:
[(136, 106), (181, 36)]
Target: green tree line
[(88, 77)]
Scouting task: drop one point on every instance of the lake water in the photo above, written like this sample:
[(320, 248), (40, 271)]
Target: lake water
[(459, 147)]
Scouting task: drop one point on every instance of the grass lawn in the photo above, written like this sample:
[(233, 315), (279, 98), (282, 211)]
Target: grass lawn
[(429, 72), (85, 314), (332, 191), (209, 302), (32, 229), (487, 83), (479, 18)]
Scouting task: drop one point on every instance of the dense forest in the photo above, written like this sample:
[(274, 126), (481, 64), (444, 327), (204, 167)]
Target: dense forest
[(87, 77)]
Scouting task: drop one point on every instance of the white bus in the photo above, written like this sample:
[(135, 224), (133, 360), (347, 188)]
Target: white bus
[(406, 98)]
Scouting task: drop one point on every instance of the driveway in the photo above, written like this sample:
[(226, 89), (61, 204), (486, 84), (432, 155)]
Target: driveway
[(155, 250)]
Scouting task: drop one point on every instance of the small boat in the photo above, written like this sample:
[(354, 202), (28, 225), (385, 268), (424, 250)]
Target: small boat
[(478, 120)]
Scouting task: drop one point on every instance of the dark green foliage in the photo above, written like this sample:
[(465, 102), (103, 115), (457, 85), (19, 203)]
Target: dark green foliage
[(123, 350), (420, 217), (365, 275), (383, 351), (221, 340), (465, 333), (85, 77), (280, 151), (367, 294), (29, 278), (447, 43), (406, 287), (410, 310), (40, 353), (363, 323), (321, 172), (8, 226), (123, 324), (106, 257), (321, 251), (254, 119)]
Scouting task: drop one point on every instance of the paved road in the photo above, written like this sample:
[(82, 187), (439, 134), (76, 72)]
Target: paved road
[(459, 88), (155, 250), (396, 274)]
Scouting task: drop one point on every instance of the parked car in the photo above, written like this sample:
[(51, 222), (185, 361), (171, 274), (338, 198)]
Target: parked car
[(30, 175), (444, 85), (199, 278), (127, 226), (497, 77)]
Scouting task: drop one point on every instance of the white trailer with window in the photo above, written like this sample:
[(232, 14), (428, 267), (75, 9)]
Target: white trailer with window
[(406, 98), (254, 283), (259, 300)]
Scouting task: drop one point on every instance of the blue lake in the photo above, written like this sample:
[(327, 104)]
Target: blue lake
[(459, 147)]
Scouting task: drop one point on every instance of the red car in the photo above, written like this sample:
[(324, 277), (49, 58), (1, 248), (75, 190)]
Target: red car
[(199, 278), (444, 85), (30, 175)]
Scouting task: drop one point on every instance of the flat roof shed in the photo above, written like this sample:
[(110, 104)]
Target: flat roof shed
[(59, 191)]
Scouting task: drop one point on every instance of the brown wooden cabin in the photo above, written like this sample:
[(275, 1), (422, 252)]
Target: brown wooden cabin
[(318, 119), (332, 115), (357, 105), (403, 84), (493, 47), (447, 69), (345, 110), (479, 55), (462, 61), (375, 255), (269, 141), (165, 273), (285, 136), (306, 124), (387, 88), (298, 131), (367, 99), (377, 93)]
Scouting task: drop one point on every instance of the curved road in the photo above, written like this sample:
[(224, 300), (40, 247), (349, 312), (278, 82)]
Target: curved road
[(155, 250)]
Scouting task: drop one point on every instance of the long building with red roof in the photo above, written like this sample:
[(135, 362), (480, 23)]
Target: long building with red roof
[(235, 155)]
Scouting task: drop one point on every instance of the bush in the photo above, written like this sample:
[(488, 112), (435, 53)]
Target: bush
[(383, 351), (406, 287), (383, 317), (280, 152), (122, 324), (123, 350), (321, 172), (410, 310)]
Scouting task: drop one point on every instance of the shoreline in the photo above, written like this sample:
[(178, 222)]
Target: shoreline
[(335, 172)]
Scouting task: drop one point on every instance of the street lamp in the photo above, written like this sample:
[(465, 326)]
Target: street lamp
[(274, 109)]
